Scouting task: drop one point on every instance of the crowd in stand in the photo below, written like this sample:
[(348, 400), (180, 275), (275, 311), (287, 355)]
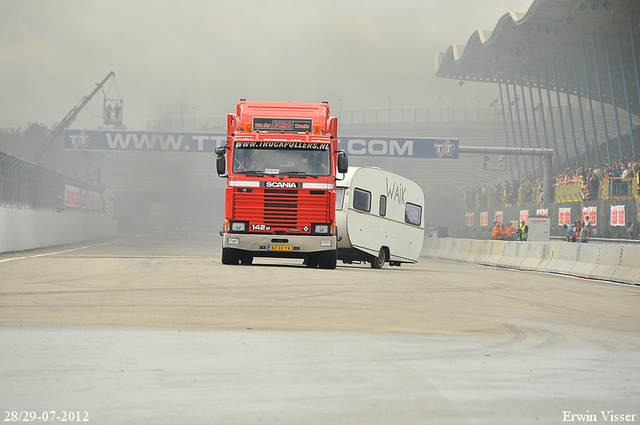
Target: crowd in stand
[(590, 178), (529, 190)]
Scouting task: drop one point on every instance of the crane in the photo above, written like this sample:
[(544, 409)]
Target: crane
[(67, 120)]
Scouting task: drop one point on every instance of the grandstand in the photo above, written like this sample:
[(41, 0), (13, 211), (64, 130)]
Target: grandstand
[(583, 53), (580, 54)]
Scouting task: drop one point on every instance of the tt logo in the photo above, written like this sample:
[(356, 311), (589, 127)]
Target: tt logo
[(81, 140), (445, 148)]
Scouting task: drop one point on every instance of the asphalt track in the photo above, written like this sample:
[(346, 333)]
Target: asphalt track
[(152, 331)]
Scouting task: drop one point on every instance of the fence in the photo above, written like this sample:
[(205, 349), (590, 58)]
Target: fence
[(569, 192), (24, 185), (364, 116), (207, 125), (619, 188)]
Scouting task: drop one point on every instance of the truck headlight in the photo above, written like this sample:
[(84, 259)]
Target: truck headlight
[(233, 241), (322, 229), (326, 242), (238, 226)]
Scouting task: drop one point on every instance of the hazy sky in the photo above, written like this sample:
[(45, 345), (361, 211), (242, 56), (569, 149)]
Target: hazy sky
[(177, 58)]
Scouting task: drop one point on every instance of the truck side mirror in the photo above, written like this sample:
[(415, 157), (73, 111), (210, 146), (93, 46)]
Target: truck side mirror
[(221, 164), (343, 162)]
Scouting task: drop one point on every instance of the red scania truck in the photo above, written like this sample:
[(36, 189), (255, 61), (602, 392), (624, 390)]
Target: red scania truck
[(280, 161)]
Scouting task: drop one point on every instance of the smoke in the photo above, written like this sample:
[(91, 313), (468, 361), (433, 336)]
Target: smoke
[(208, 54)]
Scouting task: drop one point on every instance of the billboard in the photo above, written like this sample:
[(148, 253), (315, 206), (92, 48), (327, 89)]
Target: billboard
[(106, 140), (617, 216), (101, 140), (400, 147), (75, 197)]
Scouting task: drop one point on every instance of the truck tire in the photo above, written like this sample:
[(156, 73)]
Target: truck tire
[(312, 260), (378, 262), (230, 256), (328, 259), (246, 259)]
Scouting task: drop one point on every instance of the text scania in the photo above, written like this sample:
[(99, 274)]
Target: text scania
[(281, 184), (379, 147)]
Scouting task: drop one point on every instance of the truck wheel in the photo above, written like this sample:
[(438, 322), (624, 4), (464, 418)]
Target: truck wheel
[(312, 260), (378, 262), (328, 260), (246, 259), (229, 256)]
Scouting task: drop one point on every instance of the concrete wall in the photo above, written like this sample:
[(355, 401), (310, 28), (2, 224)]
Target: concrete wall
[(27, 229), (616, 263)]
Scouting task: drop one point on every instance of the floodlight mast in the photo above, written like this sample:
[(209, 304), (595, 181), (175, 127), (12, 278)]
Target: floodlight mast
[(67, 120)]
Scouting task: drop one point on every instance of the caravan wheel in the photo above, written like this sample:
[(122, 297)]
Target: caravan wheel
[(378, 262)]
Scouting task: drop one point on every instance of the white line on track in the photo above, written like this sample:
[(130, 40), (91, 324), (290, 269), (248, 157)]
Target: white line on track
[(55, 252)]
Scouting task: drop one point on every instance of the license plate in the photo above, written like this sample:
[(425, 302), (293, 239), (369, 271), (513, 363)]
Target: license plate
[(279, 248)]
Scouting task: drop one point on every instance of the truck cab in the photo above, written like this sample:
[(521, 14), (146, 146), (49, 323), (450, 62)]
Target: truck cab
[(280, 162)]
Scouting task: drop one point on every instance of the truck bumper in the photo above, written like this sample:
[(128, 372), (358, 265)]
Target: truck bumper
[(278, 245)]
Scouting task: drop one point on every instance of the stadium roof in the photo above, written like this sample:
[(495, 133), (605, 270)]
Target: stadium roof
[(522, 46)]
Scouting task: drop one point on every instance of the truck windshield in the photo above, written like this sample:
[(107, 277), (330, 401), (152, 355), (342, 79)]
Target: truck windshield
[(314, 162)]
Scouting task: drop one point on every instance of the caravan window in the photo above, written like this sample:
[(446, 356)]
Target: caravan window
[(413, 214), (361, 200), (339, 198), (382, 210)]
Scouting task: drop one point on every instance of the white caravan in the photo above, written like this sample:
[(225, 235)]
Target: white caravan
[(380, 217)]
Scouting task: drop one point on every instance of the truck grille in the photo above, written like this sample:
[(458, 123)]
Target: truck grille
[(282, 208)]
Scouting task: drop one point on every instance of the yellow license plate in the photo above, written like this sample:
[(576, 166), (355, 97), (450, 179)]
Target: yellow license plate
[(279, 248)]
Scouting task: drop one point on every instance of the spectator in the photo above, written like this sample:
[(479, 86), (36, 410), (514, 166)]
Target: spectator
[(585, 231), (616, 170), (497, 232), (523, 232), (594, 187), (571, 233), (509, 234), (625, 172)]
